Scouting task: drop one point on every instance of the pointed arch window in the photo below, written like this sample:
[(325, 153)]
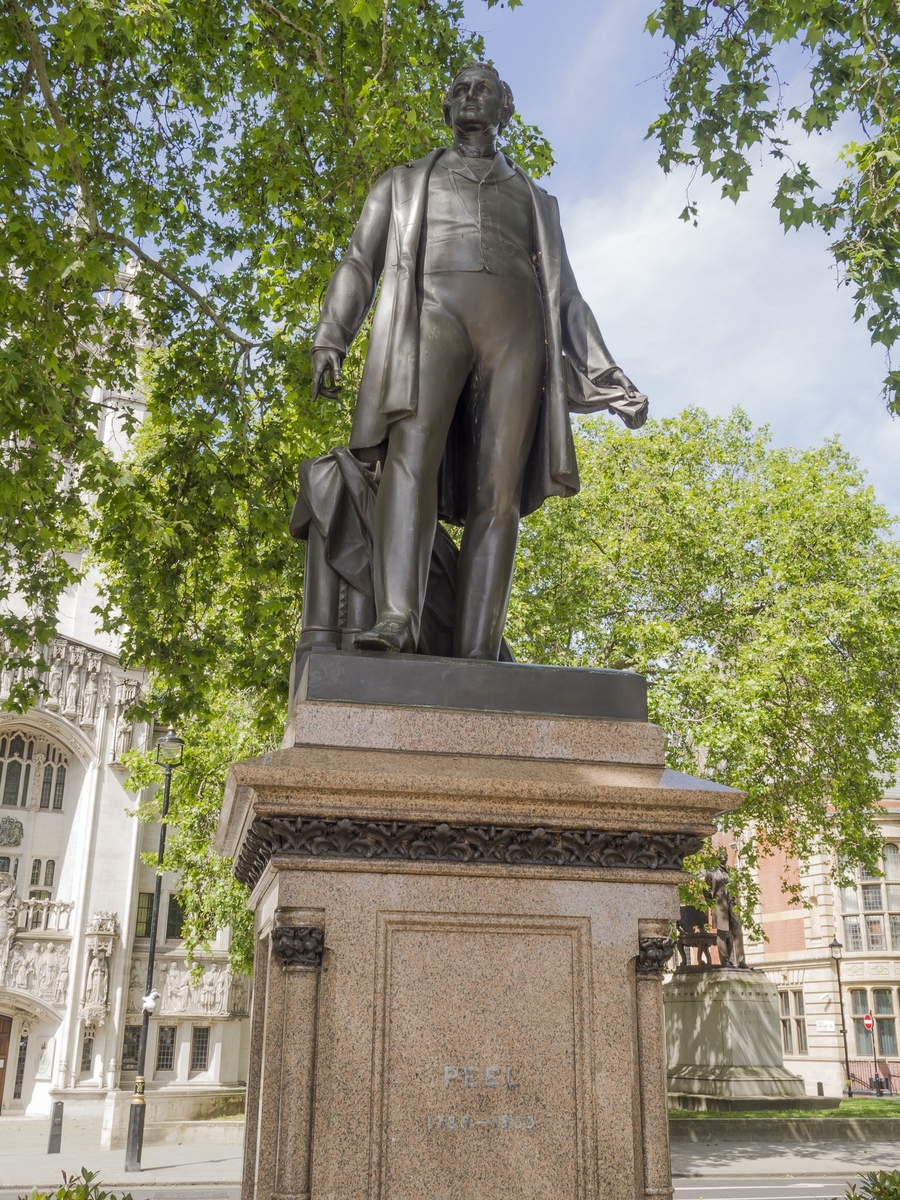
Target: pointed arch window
[(17, 748)]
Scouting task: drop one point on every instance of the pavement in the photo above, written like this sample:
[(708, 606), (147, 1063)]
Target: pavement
[(707, 1171), (748, 1188), (176, 1172)]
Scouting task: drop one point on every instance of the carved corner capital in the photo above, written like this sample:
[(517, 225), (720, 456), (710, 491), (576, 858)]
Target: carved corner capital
[(298, 946), (653, 954)]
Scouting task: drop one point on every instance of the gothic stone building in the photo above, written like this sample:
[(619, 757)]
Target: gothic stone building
[(75, 905)]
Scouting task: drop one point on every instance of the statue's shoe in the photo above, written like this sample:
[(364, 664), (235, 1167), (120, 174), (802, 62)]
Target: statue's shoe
[(387, 635)]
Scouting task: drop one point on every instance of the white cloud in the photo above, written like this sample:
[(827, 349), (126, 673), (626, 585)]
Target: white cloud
[(733, 312)]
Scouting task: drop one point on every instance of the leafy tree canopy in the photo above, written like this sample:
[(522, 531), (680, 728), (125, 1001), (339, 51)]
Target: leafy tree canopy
[(759, 592), (758, 589), (176, 182), (724, 102)]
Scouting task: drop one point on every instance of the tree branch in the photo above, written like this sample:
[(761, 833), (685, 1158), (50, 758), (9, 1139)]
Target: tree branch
[(39, 62), (88, 207), (319, 52), (119, 239)]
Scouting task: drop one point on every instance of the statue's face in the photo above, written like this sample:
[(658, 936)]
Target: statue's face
[(475, 102)]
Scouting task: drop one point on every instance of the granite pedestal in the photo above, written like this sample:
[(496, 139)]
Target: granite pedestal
[(723, 1034), (462, 917)]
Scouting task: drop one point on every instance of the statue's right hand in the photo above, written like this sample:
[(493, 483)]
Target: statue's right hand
[(326, 362)]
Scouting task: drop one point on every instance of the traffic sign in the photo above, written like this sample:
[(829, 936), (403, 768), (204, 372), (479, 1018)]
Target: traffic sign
[(868, 1022)]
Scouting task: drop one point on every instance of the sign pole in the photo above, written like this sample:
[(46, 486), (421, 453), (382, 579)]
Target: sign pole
[(869, 1022)]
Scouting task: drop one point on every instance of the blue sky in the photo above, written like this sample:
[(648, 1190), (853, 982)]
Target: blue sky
[(734, 312)]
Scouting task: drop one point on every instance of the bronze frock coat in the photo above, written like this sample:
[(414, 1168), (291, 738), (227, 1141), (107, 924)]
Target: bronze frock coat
[(385, 245)]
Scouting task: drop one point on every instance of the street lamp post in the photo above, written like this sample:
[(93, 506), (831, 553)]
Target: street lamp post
[(835, 947), (168, 754)]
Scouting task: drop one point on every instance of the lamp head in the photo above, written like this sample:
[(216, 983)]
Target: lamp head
[(835, 947), (169, 749)]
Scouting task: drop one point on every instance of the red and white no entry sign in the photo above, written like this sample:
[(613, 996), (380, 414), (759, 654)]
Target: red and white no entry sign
[(869, 1022)]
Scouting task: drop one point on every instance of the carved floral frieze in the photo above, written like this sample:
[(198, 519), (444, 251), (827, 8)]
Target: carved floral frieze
[(344, 838)]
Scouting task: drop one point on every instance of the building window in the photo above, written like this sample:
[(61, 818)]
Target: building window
[(87, 1056), (174, 921), (39, 912), (200, 1048), (59, 789), (49, 872), (883, 1004), (793, 1022), (130, 1047), (852, 933), (36, 872), (144, 915), (20, 1067), (165, 1048), (11, 784), (53, 779), (4, 864), (859, 1002), (872, 908), (16, 755), (787, 1036), (47, 786)]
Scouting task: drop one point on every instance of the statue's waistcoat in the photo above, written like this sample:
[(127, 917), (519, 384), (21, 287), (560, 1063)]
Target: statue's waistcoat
[(478, 224)]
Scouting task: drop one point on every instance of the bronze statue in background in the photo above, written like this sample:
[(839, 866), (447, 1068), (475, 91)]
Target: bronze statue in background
[(730, 934), (481, 346)]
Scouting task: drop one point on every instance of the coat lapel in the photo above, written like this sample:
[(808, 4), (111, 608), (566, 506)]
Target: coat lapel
[(400, 395)]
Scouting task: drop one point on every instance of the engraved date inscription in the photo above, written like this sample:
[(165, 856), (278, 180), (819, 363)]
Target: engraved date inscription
[(503, 1121)]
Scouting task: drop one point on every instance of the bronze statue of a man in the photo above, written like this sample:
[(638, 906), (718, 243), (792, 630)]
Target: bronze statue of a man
[(481, 345)]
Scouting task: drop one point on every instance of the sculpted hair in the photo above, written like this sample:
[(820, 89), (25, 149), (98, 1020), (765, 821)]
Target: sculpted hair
[(508, 104)]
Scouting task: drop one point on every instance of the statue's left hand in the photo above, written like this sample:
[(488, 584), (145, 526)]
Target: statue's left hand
[(618, 378)]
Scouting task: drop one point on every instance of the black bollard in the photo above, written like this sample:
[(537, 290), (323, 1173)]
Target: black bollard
[(53, 1146)]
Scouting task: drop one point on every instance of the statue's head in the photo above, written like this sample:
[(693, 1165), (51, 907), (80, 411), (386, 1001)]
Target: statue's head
[(478, 98)]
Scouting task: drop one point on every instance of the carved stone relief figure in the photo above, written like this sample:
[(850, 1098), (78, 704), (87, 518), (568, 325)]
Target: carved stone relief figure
[(123, 738), (176, 996), (239, 995), (217, 993), (47, 970), (9, 907), (105, 685), (20, 968), (71, 709), (62, 981), (89, 701), (44, 1059), (7, 679), (54, 685), (208, 993), (102, 931), (97, 985), (136, 981)]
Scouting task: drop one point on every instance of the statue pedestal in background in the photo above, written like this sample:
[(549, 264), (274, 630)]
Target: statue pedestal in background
[(724, 1043), (462, 917)]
